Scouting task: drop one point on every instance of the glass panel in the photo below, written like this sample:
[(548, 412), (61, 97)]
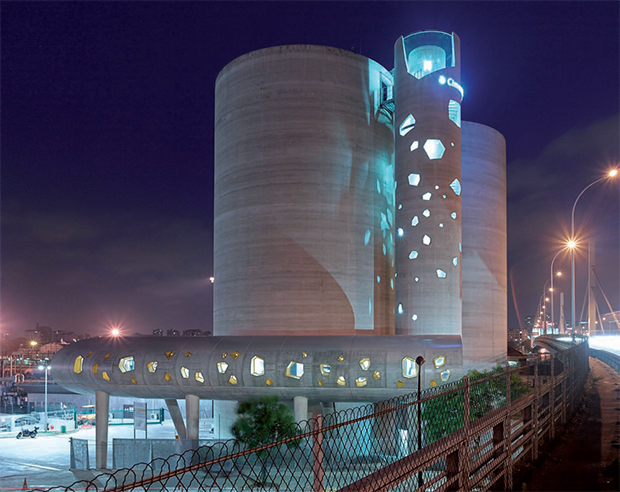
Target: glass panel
[(184, 372), (257, 366), (455, 261), (77, 365), (326, 369), (376, 375), (105, 376), (134, 380), (340, 358), (126, 364), (268, 382), (400, 384), (453, 215), (407, 125), (341, 381), (152, 366), (427, 196), (414, 179), (235, 355), (454, 112), (167, 376), (232, 380), (439, 361), (445, 375), (456, 186), (414, 317), (95, 368), (361, 381), (415, 221), (199, 377), (188, 354), (294, 370), (414, 146), (169, 354), (426, 213), (434, 148), (425, 60), (426, 239), (441, 273), (413, 255), (365, 363), (409, 368), (221, 367)]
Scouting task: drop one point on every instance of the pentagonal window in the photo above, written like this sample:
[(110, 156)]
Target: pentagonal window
[(233, 380), (326, 369), (426, 240), (294, 370), (414, 317), (409, 368), (453, 215), (222, 367), (407, 125), (427, 196), (199, 377), (152, 366), (445, 375), (257, 366), (426, 213), (341, 381), (414, 146), (454, 112), (376, 375), (365, 364), (455, 261), (414, 179), (415, 221), (439, 361), (361, 381), (441, 273), (413, 255), (77, 364), (434, 148), (456, 186), (126, 364), (184, 372), (416, 279), (441, 224)]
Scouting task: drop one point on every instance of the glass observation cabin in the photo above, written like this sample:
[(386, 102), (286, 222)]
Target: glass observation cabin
[(428, 51)]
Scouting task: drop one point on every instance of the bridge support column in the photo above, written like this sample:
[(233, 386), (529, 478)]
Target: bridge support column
[(192, 416), (300, 408), (177, 418), (102, 409)]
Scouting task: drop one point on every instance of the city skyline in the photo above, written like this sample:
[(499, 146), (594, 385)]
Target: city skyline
[(108, 142)]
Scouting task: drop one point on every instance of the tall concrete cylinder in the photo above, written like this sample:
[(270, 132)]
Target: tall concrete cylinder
[(304, 209), (484, 245), (427, 121)]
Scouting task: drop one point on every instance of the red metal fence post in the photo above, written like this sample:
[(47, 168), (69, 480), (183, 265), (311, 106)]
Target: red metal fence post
[(317, 453)]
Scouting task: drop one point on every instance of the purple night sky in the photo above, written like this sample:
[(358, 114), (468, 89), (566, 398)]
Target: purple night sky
[(107, 141)]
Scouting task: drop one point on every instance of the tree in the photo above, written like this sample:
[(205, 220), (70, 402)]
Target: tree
[(262, 421)]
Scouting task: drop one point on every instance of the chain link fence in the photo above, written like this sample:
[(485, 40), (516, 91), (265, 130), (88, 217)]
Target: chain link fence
[(465, 435)]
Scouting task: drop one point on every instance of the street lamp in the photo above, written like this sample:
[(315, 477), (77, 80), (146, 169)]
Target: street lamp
[(610, 174), (559, 274), (420, 362), (47, 368)]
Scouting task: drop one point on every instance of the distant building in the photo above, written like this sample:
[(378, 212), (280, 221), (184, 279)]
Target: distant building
[(64, 336), (42, 334), (158, 333), (173, 333), (193, 333)]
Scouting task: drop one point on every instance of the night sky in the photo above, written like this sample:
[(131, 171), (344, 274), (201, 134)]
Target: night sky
[(107, 141)]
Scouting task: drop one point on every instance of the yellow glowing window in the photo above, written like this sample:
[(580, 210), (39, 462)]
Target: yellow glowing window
[(376, 375), (221, 367), (304, 354), (365, 364), (95, 368), (235, 355), (433, 383), (320, 383), (361, 381), (294, 370), (188, 354), (439, 361), (341, 381), (169, 354), (167, 376), (89, 354), (199, 377), (224, 355), (134, 380), (152, 366), (326, 369), (409, 368), (445, 375), (400, 384), (77, 365), (257, 366), (184, 372), (340, 358), (105, 376), (232, 380), (107, 356), (126, 364), (268, 382)]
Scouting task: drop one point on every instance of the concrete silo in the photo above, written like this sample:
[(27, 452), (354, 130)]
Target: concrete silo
[(304, 198), (484, 245)]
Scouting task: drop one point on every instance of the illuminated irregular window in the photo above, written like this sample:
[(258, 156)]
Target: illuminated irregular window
[(427, 196), (224, 355), (444, 196), (456, 186), (400, 309), (400, 384), (460, 248), (341, 381), (378, 187), (126, 364), (441, 273), (445, 375), (326, 369), (152, 366), (400, 206), (169, 354), (384, 250), (95, 368), (184, 372), (414, 317), (414, 179), (367, 237), (199, 377), (105, 376), (455, 261), (294, 370), (453, 215), (134, 380), (233, 380), (441, 224), (378, 279), (369, 305), (454, 112), (222, 367), (407, 125), (433, 383), (365, 363), (414, 146), (426, 239), (107, 356), (436, 187), (415, 221), (188, 354), (376, 375), (416, 279), (167, 376), (413, 255), (340, 358), (235, 355), (409, 368), (401, 232), (268, 382), (392, 283), (304, 354), (89, 354), (257, 366), (434, 148), (361, 381), (426, 213), (77, 365), (439, 361), (320, 383)]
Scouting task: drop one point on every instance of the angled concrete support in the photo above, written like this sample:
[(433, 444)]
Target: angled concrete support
[(102, 409), (300, 408), (192, 416), (177, 418)]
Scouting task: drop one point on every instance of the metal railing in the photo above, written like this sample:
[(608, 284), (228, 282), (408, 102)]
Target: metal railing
[(467, 435), (612, 360)]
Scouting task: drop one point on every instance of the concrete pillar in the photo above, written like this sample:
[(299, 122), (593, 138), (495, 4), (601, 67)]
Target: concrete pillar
[(300, 408), (192, 416), (224, 416), (177, 418), (102, 409)]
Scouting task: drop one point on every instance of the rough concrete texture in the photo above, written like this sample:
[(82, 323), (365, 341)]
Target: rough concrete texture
[(586, 454), (303, 172), (430, 304), (484, 245)]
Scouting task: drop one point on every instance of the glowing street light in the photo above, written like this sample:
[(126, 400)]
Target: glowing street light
[(46, 368), (115, 332)]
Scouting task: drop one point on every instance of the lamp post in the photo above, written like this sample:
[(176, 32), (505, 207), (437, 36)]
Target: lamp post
[(420, 362), (552, 291), (47, 368), (610, 174)]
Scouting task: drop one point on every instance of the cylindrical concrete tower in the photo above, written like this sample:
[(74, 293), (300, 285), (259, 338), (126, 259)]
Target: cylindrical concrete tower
[(304, 194), (427, 127), (484, 245)]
